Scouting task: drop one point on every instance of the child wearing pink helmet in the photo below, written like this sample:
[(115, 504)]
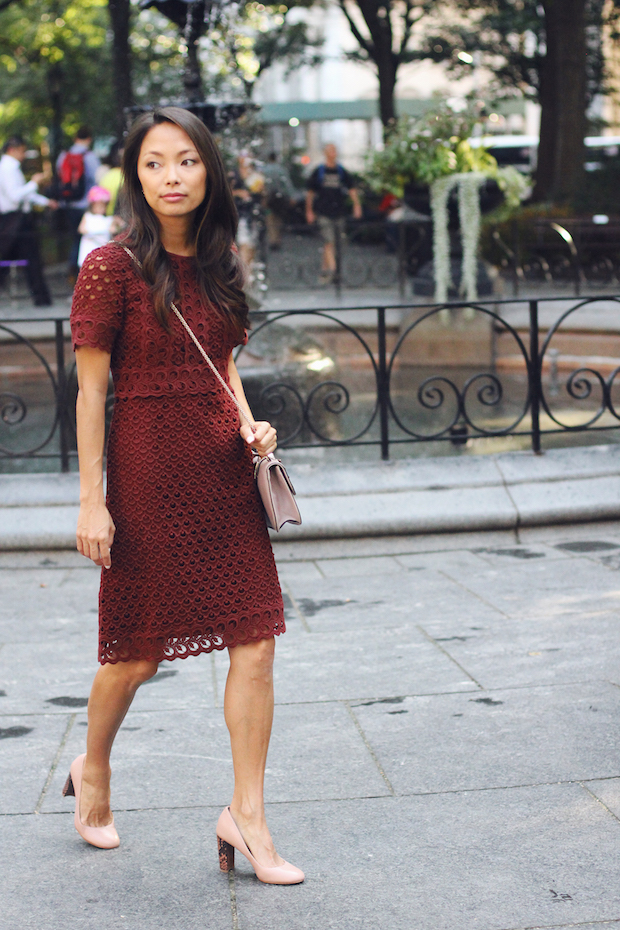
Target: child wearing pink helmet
[(95, 227)]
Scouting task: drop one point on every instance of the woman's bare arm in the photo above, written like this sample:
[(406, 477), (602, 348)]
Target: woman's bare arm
[(95, 529), (262, 436)]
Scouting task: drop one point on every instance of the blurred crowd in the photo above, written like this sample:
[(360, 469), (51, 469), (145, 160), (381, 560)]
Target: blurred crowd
[(82, 191)]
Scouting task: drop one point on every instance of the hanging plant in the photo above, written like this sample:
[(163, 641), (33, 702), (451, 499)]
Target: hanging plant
[(436, 150)]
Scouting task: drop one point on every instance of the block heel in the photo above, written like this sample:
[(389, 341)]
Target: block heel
[(226, 854), (229, 838)]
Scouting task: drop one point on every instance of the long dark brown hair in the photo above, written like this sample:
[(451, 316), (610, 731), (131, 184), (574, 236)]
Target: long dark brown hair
[(220, 271)]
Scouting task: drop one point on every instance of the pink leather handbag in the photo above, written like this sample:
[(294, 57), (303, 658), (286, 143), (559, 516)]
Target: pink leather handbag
[(276, 492)]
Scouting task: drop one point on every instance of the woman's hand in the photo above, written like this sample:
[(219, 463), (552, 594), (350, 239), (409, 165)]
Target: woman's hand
[(264, 437), (95, 533)]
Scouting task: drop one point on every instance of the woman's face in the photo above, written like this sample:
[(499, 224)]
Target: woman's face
[(172, 176)]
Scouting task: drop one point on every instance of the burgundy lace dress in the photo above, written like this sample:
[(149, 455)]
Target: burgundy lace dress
[(192, 566)]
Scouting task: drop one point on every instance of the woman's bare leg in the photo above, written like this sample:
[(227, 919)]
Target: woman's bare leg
[(248, 710), (111, 695)]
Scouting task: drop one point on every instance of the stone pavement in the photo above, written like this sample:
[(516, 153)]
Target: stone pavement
[(445, 751)]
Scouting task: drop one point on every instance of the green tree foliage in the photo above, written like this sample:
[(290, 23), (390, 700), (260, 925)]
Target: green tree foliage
[(273, 37), (548, 50), (54, 63), (231, 46), (510, 38)]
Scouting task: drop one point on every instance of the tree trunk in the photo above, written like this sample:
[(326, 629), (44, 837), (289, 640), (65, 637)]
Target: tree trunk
[(563, 102), (386, 71), (194, 28), (54, 84), (376, 16), (120, 17)]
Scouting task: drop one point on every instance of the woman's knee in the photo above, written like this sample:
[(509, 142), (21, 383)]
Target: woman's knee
[(134, 673), (145, 670), (256, 658)]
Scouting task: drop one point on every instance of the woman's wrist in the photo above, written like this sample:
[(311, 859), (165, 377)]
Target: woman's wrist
[(92, 497)]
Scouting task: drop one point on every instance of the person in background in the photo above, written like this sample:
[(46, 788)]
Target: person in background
[(112, 177), (328, 186), (96, 229), (280, 196), (18, 233), (248, 186), (79, 175)]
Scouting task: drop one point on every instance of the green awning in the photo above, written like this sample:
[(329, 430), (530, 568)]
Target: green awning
[(321, 110)]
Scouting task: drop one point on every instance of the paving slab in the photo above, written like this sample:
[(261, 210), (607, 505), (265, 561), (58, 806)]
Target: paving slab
[(182, 759), (456, 742), (366, 603), (365, 566), (521, 552), (572, 647), (64, 672), (536, 587), (608, 793), (476, 860), (45, 595), (163, 875), (28, 747), (345, 666)]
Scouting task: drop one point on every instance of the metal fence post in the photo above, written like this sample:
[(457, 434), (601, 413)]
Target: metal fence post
[(516, 248), (382, 385), (535, 377), (337, 226), (402, 258), (61, 396)]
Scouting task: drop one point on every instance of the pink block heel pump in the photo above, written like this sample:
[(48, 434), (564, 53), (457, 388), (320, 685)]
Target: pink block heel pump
[(229, 838), (103, 837)]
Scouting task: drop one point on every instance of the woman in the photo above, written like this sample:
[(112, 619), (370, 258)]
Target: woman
[(187, 563)]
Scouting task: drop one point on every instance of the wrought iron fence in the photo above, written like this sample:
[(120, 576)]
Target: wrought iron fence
[(371, 376), (574, 252)]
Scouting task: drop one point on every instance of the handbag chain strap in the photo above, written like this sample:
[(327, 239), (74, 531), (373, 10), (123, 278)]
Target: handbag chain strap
[(190, 333)]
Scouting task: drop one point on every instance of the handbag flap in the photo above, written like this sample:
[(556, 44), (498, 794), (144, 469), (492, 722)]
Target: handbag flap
[(276, 491)]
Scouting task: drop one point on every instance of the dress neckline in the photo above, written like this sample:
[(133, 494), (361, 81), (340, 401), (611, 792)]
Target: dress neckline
[(181, 257)]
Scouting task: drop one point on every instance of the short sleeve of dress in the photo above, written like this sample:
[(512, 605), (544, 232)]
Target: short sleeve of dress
[(99, 299)]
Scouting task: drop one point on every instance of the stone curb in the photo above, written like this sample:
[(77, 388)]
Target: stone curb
[(404, 497)]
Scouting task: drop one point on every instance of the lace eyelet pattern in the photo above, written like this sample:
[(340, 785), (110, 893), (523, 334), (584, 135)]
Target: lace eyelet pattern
[(192, 565)]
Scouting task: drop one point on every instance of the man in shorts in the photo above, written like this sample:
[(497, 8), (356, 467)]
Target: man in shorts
[(329, 185)]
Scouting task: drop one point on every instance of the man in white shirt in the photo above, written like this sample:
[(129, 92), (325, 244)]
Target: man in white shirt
[(18, 238)]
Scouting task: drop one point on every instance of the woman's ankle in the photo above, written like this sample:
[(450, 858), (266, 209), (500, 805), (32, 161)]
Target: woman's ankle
[(94, 771), (247, 811)]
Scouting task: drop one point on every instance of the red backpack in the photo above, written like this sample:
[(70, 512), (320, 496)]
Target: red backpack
[(72, 181)]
